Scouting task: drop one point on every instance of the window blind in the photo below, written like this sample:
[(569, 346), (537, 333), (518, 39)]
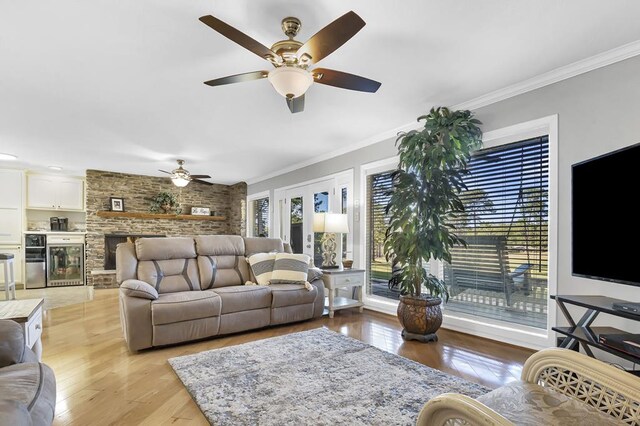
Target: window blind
[(379, 270), (260, 211), (506, 219)]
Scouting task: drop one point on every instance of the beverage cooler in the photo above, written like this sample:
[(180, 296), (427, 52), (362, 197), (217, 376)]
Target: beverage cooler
[(65, 260)]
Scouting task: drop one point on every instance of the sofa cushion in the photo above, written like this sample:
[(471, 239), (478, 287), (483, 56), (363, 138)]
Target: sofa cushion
[(184, 306), (222, 270), (254, 245), (168, 276), (217, 245), (261, 265), (165, 248), (243, 298), (32, 384), (529, 404), (137, 288), (12, 344), (291, 294), (290, 269)]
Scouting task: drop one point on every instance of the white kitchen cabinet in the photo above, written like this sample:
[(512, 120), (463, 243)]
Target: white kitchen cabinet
[(10, 226), (16, 251), (11, 212), (55, 192), (11, 189)]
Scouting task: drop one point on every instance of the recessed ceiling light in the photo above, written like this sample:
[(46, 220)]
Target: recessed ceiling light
[(4, 156), (56, 168)]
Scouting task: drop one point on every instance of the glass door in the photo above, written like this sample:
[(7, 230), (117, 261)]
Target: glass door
[(65, 264), (300, 205)]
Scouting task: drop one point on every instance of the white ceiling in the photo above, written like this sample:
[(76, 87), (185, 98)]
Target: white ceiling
[(117, 85)]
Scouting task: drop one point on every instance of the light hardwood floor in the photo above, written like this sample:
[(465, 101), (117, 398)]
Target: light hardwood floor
[(100, 383)]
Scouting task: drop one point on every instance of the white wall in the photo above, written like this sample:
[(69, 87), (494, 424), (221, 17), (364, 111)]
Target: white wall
[(598, 112), (351, 160)]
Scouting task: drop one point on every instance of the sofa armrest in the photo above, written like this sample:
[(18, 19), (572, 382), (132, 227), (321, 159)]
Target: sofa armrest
[(452, 408), (318, 304), (137, 288), (12, 344), (587, 380)]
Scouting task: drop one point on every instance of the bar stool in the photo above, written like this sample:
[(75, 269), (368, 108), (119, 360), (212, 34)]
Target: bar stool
[(6, 259)]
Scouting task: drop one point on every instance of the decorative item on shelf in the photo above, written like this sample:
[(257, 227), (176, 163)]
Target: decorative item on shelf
[(347, 263), (200, 211), (116, 204), (432, 162), (165, 202), (330, 224)]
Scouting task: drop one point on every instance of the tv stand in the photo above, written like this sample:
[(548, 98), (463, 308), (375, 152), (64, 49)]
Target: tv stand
[(582, 333)]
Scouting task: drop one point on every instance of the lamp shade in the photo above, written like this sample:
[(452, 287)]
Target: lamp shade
[(180, 181), (290, 82), (331, 222)]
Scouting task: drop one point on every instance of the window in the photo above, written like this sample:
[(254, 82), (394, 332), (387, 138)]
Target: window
[(320, 205), (503, 272), (260, 217), (378, 269)]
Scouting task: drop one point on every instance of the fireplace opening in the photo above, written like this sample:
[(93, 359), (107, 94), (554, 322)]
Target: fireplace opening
[(111, 242)]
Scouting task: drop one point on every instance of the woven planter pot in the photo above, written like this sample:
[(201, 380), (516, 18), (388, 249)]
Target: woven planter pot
[(420, 317)]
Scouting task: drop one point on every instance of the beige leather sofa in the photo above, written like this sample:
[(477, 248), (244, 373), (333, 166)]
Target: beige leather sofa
[(27, 387), (175, 290)]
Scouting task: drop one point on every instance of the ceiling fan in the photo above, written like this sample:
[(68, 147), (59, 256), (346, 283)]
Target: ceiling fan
[(292, 59), (181, 177)]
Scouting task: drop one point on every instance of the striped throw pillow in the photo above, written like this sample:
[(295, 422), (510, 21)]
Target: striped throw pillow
[(290, 269), (262, 266)]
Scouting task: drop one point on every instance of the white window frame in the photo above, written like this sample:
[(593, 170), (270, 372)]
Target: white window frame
[(343, 179), (250, 212), (375, 303), (521, 335), (525, 336)]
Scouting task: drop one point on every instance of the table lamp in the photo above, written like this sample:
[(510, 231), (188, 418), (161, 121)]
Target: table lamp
[(330, 224)]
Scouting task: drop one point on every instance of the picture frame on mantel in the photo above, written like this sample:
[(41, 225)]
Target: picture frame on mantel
[(200, 211), (116, 204)]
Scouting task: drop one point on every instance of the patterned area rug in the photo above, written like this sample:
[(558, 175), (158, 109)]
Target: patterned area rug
[(315, 377)]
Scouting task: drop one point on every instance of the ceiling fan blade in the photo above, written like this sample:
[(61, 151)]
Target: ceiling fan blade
[(331, 37), (238, 78), (296, 104), (200, 177), (238, 36), (201, 181), (345, 80), (164, 171)]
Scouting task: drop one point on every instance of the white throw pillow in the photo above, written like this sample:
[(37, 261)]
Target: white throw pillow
[(290, 269), (262, 266)]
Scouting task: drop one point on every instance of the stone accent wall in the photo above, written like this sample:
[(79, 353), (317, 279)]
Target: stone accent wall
[(238, 209), (224, 200)]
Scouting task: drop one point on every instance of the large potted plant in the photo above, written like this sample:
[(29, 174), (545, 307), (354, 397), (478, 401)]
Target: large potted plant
[(423, 202)]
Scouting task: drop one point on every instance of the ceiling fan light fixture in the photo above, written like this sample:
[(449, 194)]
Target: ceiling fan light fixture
[(290, 82), (180, 181)]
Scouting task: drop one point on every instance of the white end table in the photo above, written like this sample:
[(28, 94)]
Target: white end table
[(27, 313), (343, 278)]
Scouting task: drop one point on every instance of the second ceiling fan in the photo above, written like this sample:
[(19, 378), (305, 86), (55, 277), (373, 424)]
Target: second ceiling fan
[(292, 59)]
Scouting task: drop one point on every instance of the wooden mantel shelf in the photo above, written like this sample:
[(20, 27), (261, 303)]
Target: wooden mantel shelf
[(104, 213)]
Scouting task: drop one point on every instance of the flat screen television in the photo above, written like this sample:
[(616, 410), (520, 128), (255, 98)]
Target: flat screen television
[(606, 218)]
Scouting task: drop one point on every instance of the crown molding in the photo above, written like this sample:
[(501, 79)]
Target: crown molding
[(600, 60), (332, 154)]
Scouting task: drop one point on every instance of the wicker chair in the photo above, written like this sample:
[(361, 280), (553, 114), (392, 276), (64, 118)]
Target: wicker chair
[(558, 386)]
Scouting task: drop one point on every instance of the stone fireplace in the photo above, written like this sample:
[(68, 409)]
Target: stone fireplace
[(111, 242), (105, 233)]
